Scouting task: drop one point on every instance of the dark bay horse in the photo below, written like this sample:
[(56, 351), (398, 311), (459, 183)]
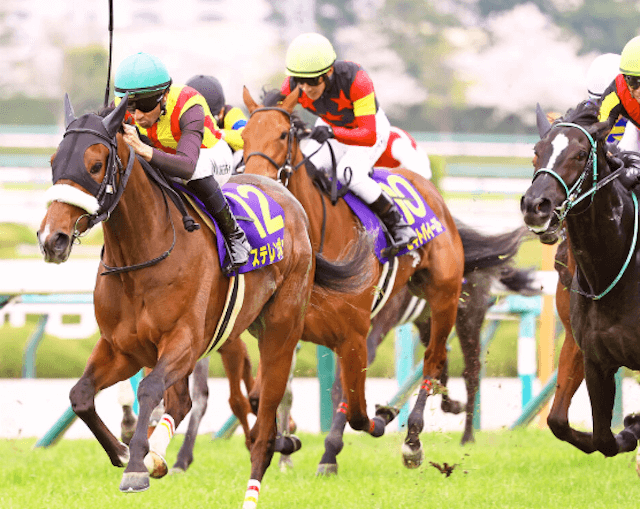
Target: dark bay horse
[(165, 312), (433, 271), (575, 183)]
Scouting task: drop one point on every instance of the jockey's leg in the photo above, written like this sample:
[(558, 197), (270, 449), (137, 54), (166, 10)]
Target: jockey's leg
[(213, 165)]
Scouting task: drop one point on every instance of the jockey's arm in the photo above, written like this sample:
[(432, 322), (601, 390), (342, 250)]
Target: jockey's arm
[(182, 164), (364, 111)]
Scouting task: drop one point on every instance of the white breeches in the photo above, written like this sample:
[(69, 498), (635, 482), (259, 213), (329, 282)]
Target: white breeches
[(216, 161), (630, 139), (353, 162), (414, 159)]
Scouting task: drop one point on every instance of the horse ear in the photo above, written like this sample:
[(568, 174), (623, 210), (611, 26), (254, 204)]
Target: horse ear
[(600, 130), (542, 121), (113, 120), (248, 100), (69, 116), (291, 100)]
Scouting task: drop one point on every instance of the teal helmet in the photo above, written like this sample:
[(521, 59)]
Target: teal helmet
[(141, 73)]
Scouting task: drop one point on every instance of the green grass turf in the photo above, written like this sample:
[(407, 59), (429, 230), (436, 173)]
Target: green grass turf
[(521, 469)]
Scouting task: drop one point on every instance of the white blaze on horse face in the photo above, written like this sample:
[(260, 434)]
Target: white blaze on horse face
[(559, 143)]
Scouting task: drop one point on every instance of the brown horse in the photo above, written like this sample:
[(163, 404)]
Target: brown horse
[(433, 271), (165, 312)]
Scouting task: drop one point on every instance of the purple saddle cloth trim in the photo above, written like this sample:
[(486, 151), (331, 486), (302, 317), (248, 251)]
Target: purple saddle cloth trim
[(261, 218), (412, 206)]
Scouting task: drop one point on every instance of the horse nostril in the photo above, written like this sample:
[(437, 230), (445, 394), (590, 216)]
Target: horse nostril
[(544, 207), (60, 242)]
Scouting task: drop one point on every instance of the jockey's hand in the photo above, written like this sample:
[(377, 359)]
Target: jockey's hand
[(321, 133), (132, 138)]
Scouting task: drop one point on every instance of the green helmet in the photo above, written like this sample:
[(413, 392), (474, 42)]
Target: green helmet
[(140, 74), (630, 58), (309, 55)]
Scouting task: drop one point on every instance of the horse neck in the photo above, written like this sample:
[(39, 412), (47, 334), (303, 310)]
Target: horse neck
[(138, 226), (602, 235), (326, 220)]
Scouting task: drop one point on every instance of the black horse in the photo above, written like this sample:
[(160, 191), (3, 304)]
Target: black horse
[(575, 183)]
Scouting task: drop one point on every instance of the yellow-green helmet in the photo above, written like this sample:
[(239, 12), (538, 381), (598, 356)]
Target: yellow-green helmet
[(630, 58), (309, 55)]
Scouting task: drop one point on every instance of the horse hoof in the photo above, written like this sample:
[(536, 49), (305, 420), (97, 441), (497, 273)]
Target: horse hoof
[(411, 458), (156, 465), (387, 413), (176, 470), (285, 463), (327, 469), (134, 482)]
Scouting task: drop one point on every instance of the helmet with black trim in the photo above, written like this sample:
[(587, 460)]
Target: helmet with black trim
[(141, 74), (309, 55)]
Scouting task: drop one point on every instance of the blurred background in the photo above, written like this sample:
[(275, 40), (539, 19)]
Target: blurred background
[(450, 66)]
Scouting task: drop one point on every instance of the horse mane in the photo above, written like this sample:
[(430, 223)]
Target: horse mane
[(584, 114)]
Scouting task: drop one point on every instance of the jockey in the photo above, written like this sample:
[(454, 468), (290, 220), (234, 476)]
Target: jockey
[(181, 139), (231, 119), (602, 71), (403, 151), (622, 96), (341, 94)]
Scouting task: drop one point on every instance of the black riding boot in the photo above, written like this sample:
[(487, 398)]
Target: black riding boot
[(400, 233), (238, 247)]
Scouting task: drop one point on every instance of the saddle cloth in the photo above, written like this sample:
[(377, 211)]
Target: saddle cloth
[(259, 215), (412, 206)]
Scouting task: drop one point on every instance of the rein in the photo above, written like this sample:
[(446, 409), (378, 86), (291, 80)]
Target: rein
[(573, 198)]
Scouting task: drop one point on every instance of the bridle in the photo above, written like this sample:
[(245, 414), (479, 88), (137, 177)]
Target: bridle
[(284, 170), (574, 196), (108, 194)]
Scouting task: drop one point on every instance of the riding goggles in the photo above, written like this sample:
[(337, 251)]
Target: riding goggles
[(312, 82), (632, 81), (144, 104)]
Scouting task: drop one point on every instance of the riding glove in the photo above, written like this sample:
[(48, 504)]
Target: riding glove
[(321, 133)]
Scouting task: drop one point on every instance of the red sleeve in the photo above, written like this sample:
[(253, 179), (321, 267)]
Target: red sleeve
[(364, 109), (285, 88), (364, 134)]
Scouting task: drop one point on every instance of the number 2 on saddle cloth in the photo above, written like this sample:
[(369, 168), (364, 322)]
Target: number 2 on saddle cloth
[(416, 213)]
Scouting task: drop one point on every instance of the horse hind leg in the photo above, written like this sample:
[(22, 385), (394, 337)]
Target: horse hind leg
[(199, 398), (443, 301), (126, 400)]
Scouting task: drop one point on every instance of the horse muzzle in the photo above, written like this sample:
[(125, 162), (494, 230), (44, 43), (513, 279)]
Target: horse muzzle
[(55, 247)]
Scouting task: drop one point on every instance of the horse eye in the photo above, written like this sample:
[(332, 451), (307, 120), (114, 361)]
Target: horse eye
[(582, 155), (283, 135), (96, 168)]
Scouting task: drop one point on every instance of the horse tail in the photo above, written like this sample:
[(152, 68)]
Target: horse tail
[(349, 274), (522, 281), (482, 251)]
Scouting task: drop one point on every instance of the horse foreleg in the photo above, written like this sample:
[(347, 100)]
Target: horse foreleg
[(444, 306), (104, 368), (199, 398), (173, 367)]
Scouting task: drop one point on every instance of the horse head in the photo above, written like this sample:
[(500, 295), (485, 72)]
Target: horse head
[(271, 134), (86, 172), (568, 160)]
